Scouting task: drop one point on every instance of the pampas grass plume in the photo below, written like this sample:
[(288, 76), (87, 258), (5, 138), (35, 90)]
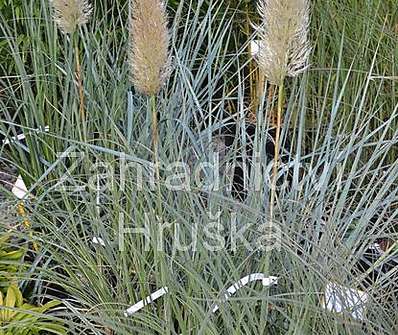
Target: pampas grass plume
[(149, 43), (284, 46), (71, 14)]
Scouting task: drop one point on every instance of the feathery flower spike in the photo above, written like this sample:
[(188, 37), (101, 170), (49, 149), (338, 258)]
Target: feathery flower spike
[(149, 46), (284, 46), (70, 14)]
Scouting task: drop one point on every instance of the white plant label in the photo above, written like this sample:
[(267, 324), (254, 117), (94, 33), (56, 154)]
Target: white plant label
[(19, 189), (340, 299), (99, 241), (148, 300), (266, 281), (21, 137)]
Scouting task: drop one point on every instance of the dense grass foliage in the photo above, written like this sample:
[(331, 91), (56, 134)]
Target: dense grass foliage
[(337, 184)]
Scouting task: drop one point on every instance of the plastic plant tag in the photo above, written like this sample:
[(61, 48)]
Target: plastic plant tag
[(21, 137), (99, 241), (266, 281), (341, 299), (19, 189), (148, 300)]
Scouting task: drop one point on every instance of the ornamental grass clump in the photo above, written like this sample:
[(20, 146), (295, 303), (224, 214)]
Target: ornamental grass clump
[(284, 50), (71, 14), (149, 56)]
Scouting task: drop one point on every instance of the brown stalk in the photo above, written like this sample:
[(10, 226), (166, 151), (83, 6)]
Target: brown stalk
[(80, 86)]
